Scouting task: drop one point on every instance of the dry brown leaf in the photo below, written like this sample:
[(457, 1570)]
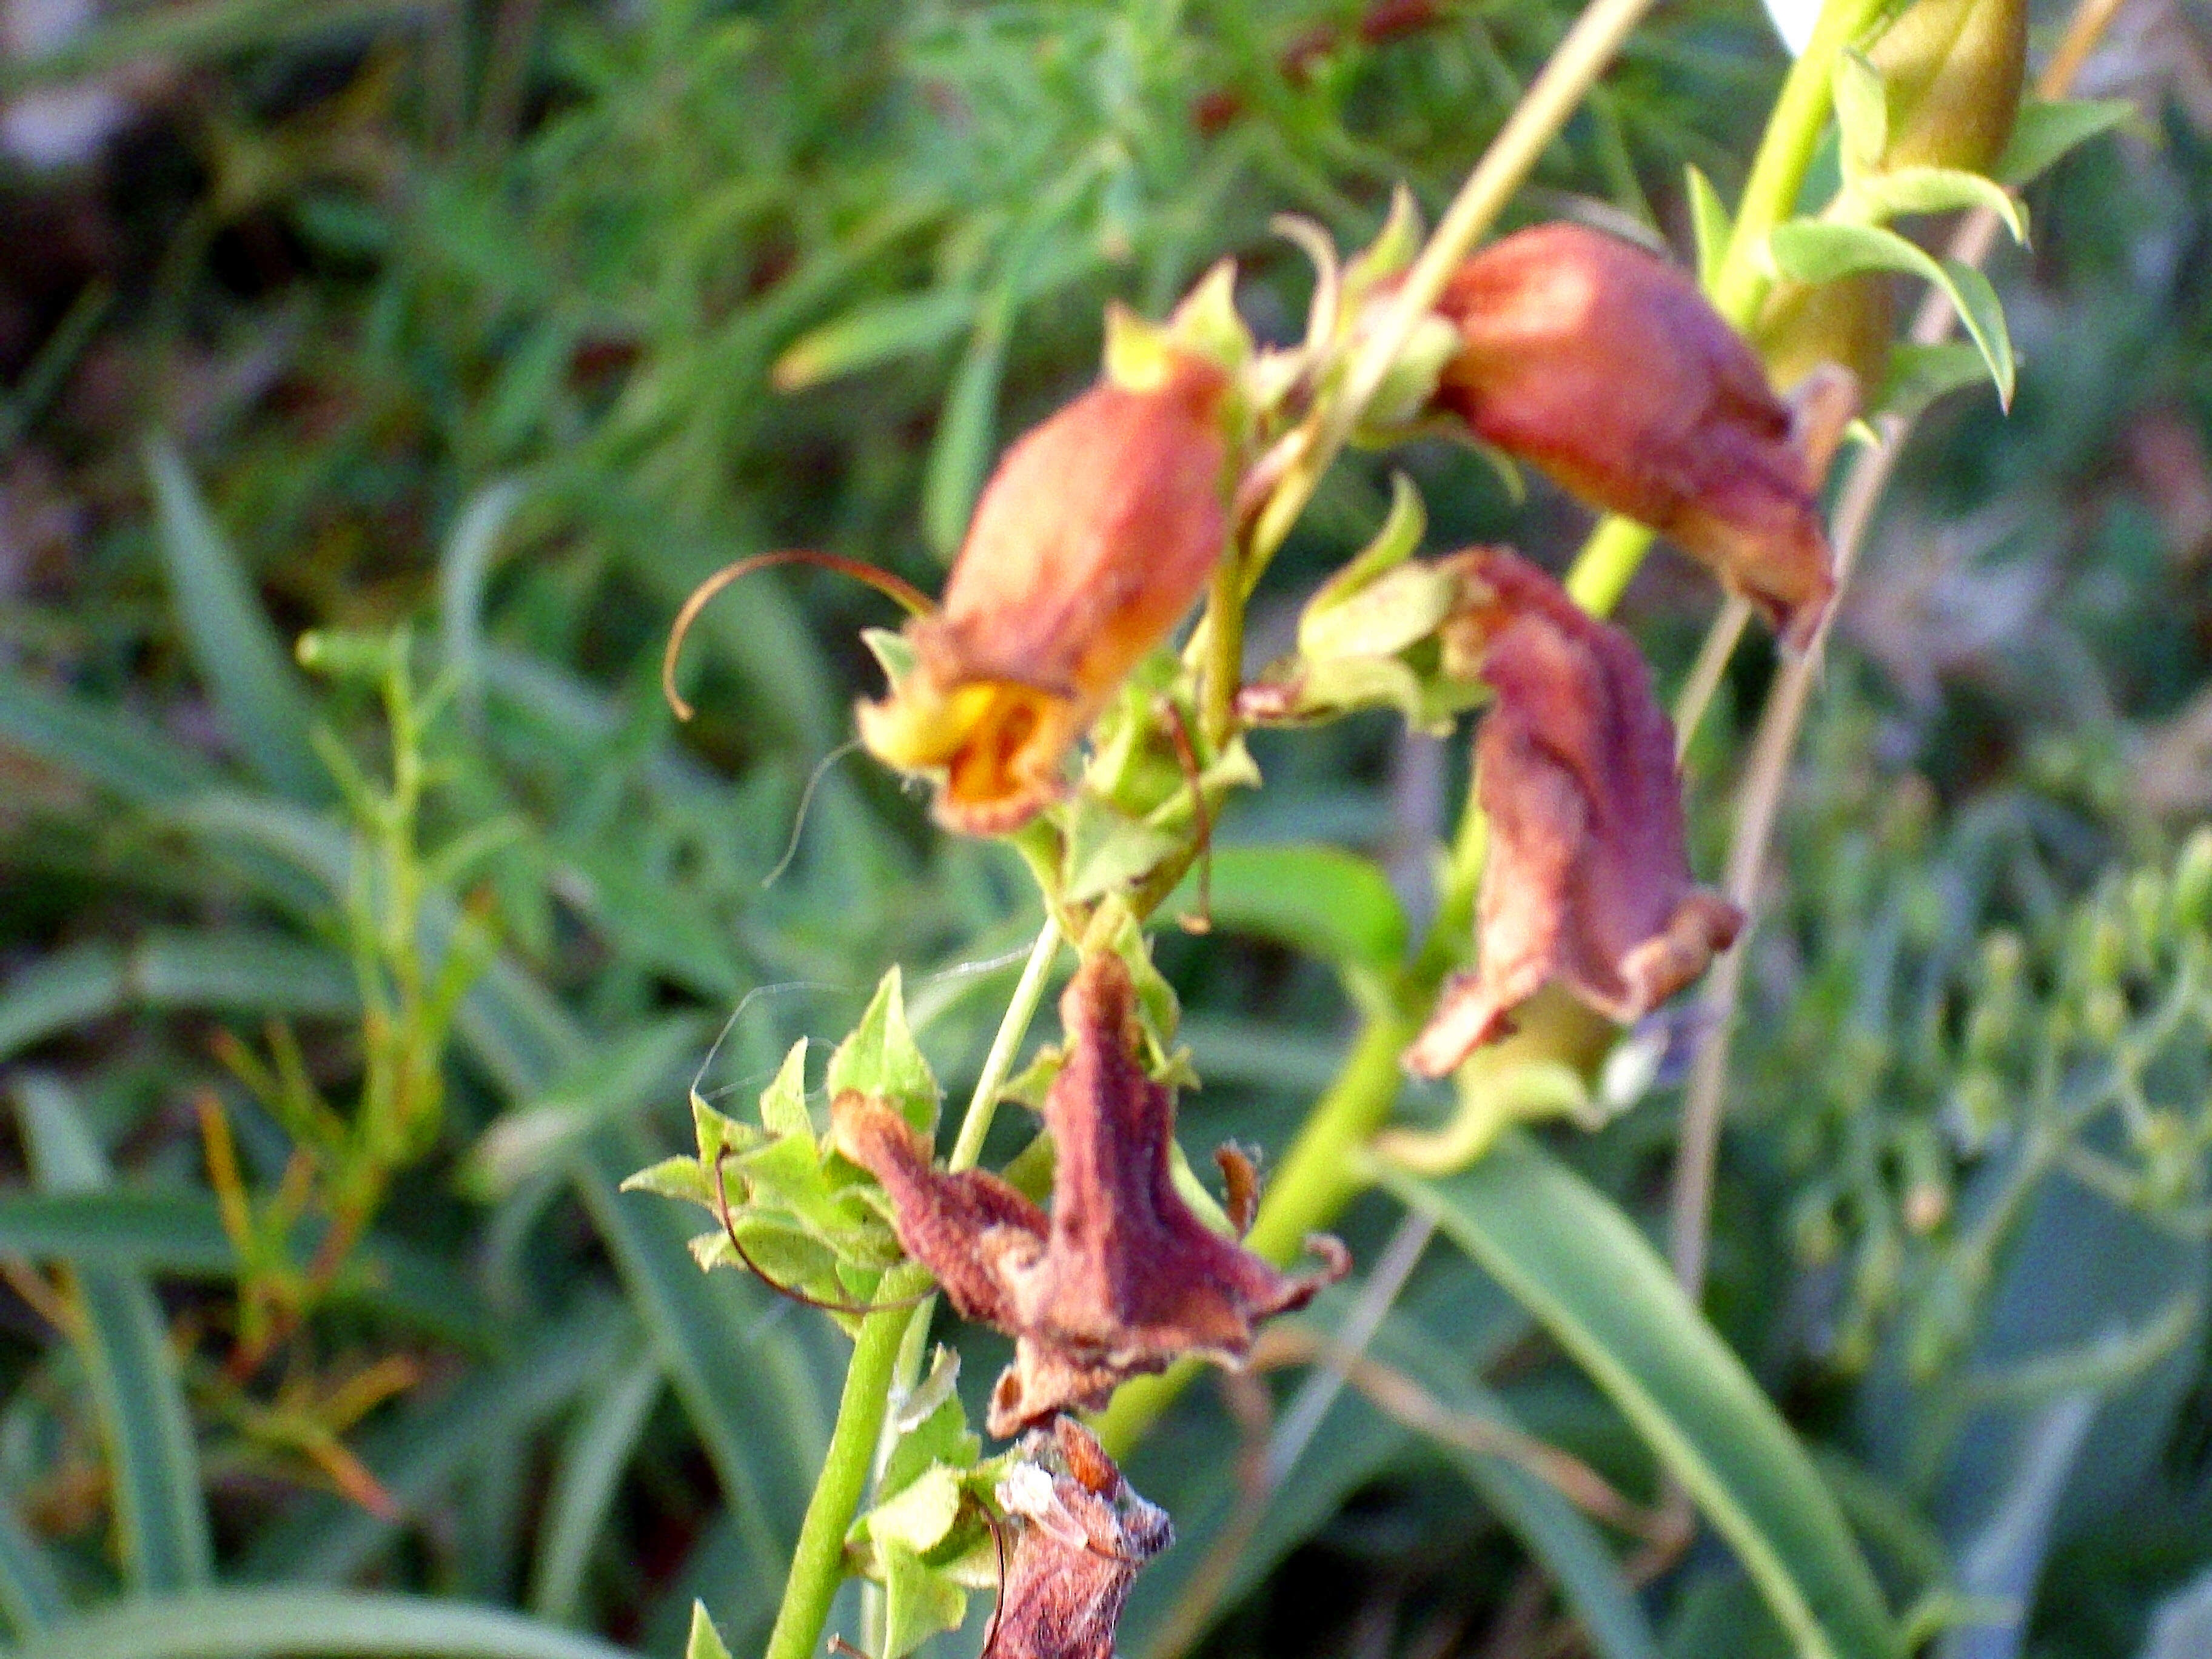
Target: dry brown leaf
[(1122, 1278), (1586, 881)]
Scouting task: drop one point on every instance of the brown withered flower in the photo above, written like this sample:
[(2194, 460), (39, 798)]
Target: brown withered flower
[(1586, 881), (1082, 1534), (1098, 532), (1604, 365), (1122, 1278)]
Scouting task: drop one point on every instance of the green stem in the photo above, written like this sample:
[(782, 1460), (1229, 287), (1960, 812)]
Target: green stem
[(818, 1564)]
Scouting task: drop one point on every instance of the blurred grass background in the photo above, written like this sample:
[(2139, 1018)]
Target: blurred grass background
[(335, 1000)]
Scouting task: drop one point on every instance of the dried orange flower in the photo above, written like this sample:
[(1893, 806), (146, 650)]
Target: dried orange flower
[(1122, 1279), (1094, 537), (1605, 366), (1082, 1535), (1585, 881)]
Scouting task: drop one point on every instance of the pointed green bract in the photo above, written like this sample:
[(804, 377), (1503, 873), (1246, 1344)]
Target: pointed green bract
[(880, 1058)]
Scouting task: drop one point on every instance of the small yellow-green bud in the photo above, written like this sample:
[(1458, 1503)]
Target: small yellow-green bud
[(1951, 72)]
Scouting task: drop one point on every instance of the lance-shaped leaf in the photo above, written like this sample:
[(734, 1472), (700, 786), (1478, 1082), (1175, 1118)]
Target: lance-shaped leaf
[(1604, 366), (1097, 534), (1122, 1277), (1083, 1534), (1586, 881)]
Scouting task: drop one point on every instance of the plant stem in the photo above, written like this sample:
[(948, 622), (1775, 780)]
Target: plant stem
[(999, 1063), (818, 1562)]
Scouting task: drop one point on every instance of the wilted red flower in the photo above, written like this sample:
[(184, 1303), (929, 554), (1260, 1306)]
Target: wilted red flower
[(1585, 881), (1099, 529), (1082, 1535), (1122, 1278), (1605, 366)]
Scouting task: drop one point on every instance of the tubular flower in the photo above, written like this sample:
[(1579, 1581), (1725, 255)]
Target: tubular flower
[(1122, 1278), (1606, 366), (1099, 529), (1084, 1532), (1586, 881)]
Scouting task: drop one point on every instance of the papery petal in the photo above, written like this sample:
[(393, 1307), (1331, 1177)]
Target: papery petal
[(1082, 1534), (1095, 537), (1605, 366), (1586, 881), (1123, 1278)]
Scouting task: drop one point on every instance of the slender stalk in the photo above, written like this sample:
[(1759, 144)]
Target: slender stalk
[(887, 1354), (818, 1562), (999, 1063), (1549, 103)]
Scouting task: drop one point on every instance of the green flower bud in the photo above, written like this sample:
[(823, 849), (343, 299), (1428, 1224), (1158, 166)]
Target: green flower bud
[(1849, 321), (1951, 73)]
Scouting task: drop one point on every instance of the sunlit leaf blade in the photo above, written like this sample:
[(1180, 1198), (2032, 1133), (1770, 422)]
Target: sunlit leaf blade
[(705, 1642), (879, 333), (2043, 132), (153, 1460), (1580, 1267), (1710, 225), (241, 659), (1323, 900), (311, 1624)]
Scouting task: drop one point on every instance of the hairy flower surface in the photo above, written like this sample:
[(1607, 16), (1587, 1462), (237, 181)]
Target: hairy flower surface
[(1585, 881), (1605, 366), (1084, 1532), (1122, 1278), (1094, 537)]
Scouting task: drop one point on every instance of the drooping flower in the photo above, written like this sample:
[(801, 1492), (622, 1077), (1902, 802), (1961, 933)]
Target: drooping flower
[(1122, 1278), (1094, 537), (1083, 1534), (1604, 365), (1585, 881)]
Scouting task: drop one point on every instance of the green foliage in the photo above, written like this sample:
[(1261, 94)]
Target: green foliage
[(344, 1000)]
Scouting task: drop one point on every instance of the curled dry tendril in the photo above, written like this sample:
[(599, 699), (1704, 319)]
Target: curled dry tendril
[(917, 602)]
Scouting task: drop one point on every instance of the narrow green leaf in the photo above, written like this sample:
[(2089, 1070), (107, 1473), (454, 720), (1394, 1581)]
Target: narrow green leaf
[(104, 745), (597, 1450), (30, 1590), (55, 993), (1578, 1265), (464, 569), (880, 331), (651, 1063), (966, 429), (311, 1624), (1937, 190), (705, 1642), (153, 1459), (1711, 226), (1983, 317), (2044, 130), (241, 660), (1919, 374), (179, 1231)]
